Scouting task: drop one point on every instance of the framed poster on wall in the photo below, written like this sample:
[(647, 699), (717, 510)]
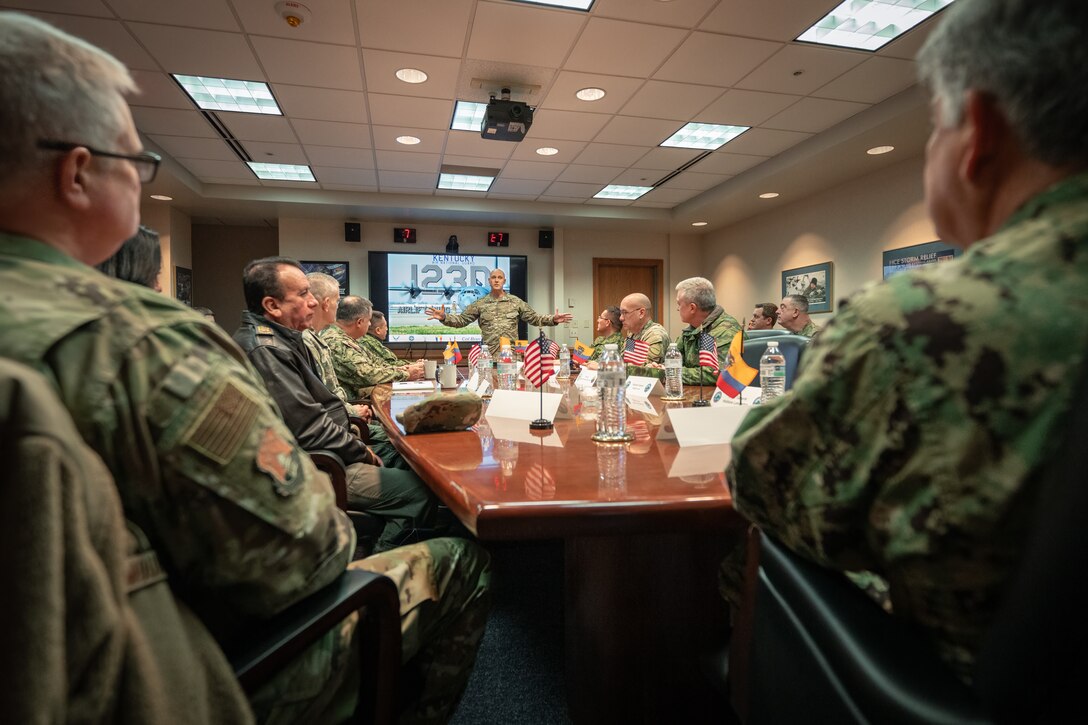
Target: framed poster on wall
[(918, 255), (814, 282), (183, 285), (336, 270)]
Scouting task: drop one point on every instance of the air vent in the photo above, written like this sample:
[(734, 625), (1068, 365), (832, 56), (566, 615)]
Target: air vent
[(228, 138)]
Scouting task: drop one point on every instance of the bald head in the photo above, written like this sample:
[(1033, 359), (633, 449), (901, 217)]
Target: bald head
[(634, 312)]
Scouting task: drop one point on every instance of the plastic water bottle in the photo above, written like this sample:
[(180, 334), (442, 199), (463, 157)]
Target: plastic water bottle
[(674, 363), (564, 362), (612, 418), (772, 373), (508, 370), (483, 367), (611, 472)]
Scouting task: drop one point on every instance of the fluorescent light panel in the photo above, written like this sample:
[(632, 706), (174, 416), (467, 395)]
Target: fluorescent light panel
[(704, 136), (223, 94), (870, 24), (465, 182), (281, 172), (468, 116), (569, 4), (618, 191)]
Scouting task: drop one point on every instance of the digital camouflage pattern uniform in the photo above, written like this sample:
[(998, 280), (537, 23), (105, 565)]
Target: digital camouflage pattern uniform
[(498, 318), (809, 330), (721, 326), (911, 443), (655, 334), (356, 368), (240, 519), (378, 348), (616, 338)]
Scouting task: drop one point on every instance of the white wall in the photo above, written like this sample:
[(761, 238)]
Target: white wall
[(849, 225)]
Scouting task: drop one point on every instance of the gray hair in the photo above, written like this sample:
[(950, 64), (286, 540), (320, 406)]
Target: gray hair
[(1030, 57), (55, 87), (377, 317), (698, 290), (353, 307), (799, 301), (323, 286)]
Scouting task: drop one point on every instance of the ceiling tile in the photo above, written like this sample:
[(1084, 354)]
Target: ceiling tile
[(406, 161), (321, 104), (696, 181), (906, 46), (676, 101), (75, 7), (340, 156), (510, 197), (171, 122), (212, 14), (332, 133), (872, 81), (251, 127), (406, 180), (330, 21), (430, 140), (518, 186), (732, 164), (290, 184), (420, 191), (611, 154), (388, 110), (381, 67), (572, 190), (438, 27), (350, 187), (158, 90), (526, 151), (818, 66), (251, 181), (639, 177), (353, 177), (214, 149), (670, 195), (276, 153), (546, 44), (590, 174), (469, 143), (199, 52), (637, 131), (110, 35), (486, 166), (618, 90), (780, 20), (566, 125), (309, 64), (745, 108), (609, 202), (764, 142), (716, 60), (202, 168), (531, 170), (685, 14), (622, 48), (653, 204), (667, 159), (814, 115)]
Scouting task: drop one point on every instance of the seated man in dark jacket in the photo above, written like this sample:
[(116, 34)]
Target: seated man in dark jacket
[(279, 307)]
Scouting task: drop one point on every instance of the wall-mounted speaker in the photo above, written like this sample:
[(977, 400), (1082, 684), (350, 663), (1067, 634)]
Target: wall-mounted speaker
[(546, 239), (353, 232)]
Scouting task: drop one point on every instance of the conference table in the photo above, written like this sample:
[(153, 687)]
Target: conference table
[(644, 525)]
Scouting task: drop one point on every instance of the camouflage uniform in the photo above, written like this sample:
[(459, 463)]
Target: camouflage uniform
[(721, 326), (498, 318), (658, 337), (378, 349), (357, 369), (809, 330), (912, 440), (616, 338), (240, 519)]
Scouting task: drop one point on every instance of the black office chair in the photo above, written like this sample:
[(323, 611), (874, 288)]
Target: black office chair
[(756, 334), (812, 647), (791, 346)]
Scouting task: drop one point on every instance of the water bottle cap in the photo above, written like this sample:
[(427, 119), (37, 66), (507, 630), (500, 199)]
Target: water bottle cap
[(611, 346)]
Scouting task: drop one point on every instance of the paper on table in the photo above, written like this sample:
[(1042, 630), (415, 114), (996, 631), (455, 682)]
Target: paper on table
[(413, 386)]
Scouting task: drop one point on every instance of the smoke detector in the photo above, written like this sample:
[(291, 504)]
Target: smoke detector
[(293, 13)]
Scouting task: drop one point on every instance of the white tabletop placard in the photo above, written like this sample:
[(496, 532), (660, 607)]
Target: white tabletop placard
[(643, 387), (701, 426), (642, 405), (586, 379), (513, 429), (748, 396), (696, 460), (413, 386), (522, 405)]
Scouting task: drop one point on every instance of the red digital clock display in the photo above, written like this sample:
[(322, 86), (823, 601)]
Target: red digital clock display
[(404, 235), (498, 239)]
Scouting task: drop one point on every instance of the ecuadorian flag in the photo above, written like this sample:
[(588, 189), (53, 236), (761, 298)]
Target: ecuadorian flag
[(581, 352), (520, 345), (453, 352), (737, 375)]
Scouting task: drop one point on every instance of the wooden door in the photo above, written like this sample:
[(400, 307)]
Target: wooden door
[(614, 279)]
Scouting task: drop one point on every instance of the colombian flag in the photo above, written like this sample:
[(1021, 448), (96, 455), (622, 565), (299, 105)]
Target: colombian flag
[(738, 375), (581, 352), (452, 353)]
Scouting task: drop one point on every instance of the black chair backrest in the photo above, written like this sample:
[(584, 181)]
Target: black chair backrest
[(791, 346), (756, 334)]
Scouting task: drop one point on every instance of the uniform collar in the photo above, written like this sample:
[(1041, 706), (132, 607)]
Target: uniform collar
[(27, 248)]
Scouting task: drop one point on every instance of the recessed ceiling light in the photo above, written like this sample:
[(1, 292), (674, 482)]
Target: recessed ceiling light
[(465, 182), (619, 191), (877, 150), (769, 195), (590, 94), (162, 197), (870, 24), (468, 116), (697, 224), (223, 94), (407, 140), (281, 172), (411, 75), (703, 136), (569, 4), (547, 151)]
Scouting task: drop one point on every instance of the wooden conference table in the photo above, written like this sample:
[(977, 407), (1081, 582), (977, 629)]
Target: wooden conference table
[(644, 526)]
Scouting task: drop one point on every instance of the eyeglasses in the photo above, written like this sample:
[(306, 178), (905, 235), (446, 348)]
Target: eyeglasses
[(146, 163)]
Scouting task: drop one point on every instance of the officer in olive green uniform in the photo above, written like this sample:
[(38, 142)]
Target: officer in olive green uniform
[(356, 367), (809, 330), (912, 441), (498, 313), (638, 325), (611, 329), (374, 340), (616, 338), (793, 316)]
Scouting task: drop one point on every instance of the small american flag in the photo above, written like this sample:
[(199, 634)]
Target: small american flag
[(636, 352), (538, 361), (708, 352), (474, 355)]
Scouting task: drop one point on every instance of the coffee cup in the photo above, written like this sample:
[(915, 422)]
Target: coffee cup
[(448, 376), (429, 367)]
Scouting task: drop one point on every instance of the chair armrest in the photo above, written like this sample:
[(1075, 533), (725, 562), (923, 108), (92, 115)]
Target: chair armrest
[(333, 466), (362, 426), (277, 641)]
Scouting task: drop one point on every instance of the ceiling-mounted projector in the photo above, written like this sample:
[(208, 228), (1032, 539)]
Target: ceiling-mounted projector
[(506, 120)]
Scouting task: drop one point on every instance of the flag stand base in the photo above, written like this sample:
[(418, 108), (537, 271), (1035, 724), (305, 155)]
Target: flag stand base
[(700, 404), (672, 398), (541, 424)]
